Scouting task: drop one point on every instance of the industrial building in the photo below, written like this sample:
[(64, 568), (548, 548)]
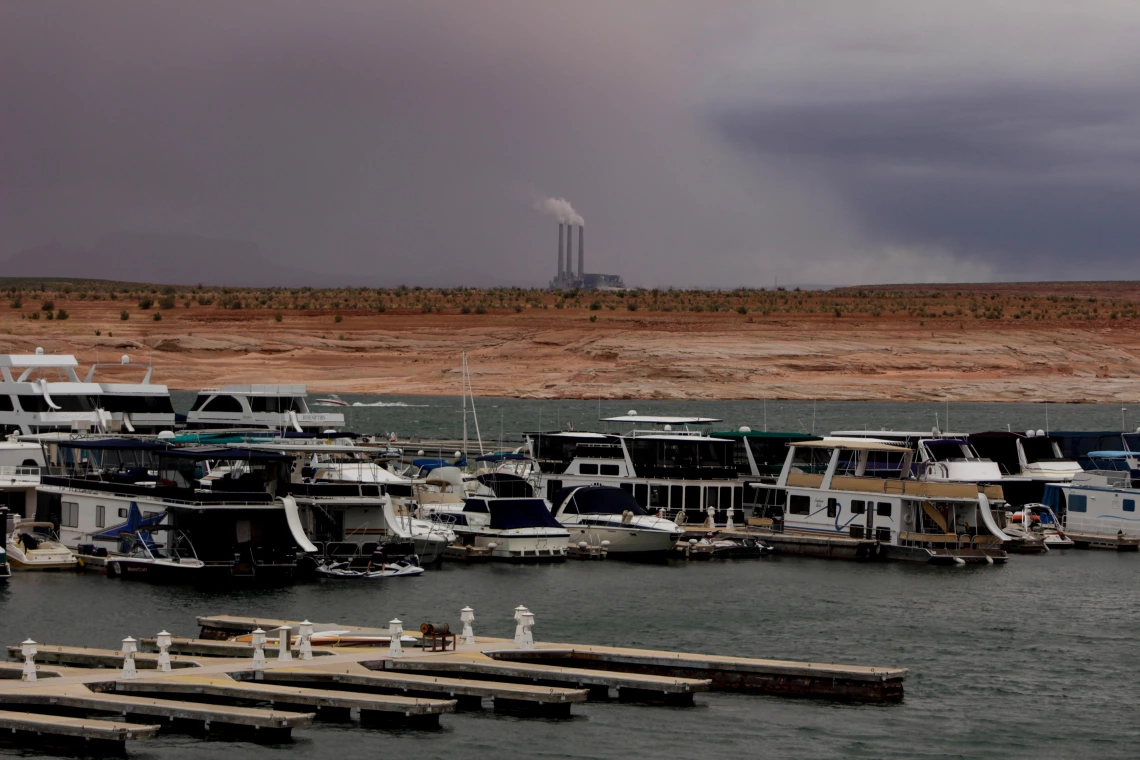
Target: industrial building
[(567, 278)]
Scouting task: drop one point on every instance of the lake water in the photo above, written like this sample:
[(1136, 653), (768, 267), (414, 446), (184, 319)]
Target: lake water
[(1037, 658)]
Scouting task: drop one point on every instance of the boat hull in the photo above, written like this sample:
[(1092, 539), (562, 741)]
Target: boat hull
[(525, 547), (153, 572), (625, 541)]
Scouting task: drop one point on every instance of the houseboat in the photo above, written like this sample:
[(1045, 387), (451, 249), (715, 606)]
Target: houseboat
[(244, 524), (684, 473), (273, 407), (1098, 506), (42, 393), (836, 488)]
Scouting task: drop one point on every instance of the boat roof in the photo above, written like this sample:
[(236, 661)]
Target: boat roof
[(567, 434), (854, 445), (38, 360), (656, 420), (896, 434), (1114, 454), (260, 389), (203, 453), (764, 434), (115, 444), (666, 436)]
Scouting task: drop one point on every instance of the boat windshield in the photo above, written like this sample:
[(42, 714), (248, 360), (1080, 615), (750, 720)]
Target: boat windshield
[(950, 451), (601, 500), (1040, 449)]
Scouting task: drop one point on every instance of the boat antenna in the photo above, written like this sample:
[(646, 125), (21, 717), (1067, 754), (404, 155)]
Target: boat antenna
[(947, 414), (1123, 425), (474, 415), (1046, 418), (813, 418), (765, 415)]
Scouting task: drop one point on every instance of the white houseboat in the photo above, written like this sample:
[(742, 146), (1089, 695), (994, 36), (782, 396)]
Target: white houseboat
[(273, 407), (1098, 506), (836, 488)]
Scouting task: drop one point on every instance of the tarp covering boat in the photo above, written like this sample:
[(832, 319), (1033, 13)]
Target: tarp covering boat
[(511, 514), (597, 500)]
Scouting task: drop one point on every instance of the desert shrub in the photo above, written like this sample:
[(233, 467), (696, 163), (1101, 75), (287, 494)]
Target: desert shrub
[(158, 316), (631, 305), (277, 317), (744, 310), (47, 306), (338, 318), (124, 315), (62, 314), (145, 303), (595, 305), (16, 303), (480, 309), (593, 317), (166, 302)]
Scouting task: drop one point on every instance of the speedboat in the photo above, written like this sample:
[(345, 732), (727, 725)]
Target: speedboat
[(35, 546), (607, 514), (5, 569), (144, 558), (404, 567), (1038, 521), (331, 400), (514, 529)]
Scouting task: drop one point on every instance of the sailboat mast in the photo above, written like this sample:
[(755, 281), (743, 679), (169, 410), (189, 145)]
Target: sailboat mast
[(463, 394)]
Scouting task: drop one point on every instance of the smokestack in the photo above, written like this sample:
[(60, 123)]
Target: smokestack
[(561, 228), (581, 247), (569, 249)]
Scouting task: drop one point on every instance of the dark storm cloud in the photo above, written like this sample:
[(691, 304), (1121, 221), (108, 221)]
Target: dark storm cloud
[(717, 143), (1039, 175)]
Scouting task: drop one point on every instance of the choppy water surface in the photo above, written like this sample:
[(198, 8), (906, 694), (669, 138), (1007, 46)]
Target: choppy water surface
[(1034, 659)]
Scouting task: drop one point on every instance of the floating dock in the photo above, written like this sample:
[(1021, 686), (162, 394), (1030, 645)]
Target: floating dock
[(87, 699), (1117, 543)]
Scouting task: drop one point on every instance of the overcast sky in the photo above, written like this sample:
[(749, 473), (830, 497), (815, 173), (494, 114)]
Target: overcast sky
[(713, 143)]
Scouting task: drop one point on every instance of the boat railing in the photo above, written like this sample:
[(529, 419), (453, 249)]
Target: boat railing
[(20, 472)]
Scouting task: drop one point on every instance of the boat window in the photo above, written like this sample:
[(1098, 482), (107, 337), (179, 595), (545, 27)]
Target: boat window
[(832, 507), (475, 505), (122, 513), (603, 501), (658, 495), (858, 506), (738, 497), (100, 516), (712, 497), (6, 403), (198, 402), (610, 469), (1129, 505), (222, 404), (587, 469), (1078, 503), (70, 515), (676, 496), (641, 494), (1039, 450), (136, 404), (275, 404), (799, 505), (884, 509), (692, 497), (948, 451), (726, 497)]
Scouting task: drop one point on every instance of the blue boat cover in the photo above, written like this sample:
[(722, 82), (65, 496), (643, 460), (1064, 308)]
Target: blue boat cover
[(597, 500), (509, 514), (1054, 497), (135, 522)]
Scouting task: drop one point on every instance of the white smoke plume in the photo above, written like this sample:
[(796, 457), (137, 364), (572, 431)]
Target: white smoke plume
[(560, 209)]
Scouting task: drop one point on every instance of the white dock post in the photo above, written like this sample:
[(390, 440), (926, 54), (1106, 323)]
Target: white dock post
[(710, 522), (284, 639), (395, 632), (129, 673), (29, 650), (305, 633), (163, 641), (526, 622), (519, 612), (728, 525), (258, 649), (467, 617)]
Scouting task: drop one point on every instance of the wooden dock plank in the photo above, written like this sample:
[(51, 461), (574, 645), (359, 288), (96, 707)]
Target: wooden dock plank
[(292, 695), (80, 697), (480, 664), (85, 728), (97, 658), (454, 687)]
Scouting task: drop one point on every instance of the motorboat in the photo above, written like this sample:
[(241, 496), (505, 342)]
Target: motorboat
[(713, 546), (331, 400), (611, 517), (514, 529), (5, 568), (398, 569), (144, 558), (35, 546), (1039, 521)]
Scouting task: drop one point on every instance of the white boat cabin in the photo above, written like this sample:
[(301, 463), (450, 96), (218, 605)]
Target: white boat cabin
[(274, 407)]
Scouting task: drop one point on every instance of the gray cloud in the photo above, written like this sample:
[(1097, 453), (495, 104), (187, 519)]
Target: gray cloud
[(719, 143)]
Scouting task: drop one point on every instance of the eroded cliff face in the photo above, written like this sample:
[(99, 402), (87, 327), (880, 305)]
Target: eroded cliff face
[(561, 354)]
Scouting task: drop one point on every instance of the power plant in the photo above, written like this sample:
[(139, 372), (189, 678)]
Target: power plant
[(567, 278)]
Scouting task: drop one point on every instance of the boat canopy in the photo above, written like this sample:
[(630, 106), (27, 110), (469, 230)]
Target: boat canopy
[(510, 514), (502, 456), (766, 435), (427, 465), (652, 420), (202, 454), (504, 484), (597, 500), (1114, 455)]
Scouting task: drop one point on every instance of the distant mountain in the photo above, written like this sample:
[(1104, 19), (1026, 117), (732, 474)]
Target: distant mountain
[(163, 259)]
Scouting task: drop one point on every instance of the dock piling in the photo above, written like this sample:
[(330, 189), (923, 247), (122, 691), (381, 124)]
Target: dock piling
[(395, 632), (258, 649), (305, 632), (162, 640), (467, 617), (129, 649), (284, 639), (28, 649)]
